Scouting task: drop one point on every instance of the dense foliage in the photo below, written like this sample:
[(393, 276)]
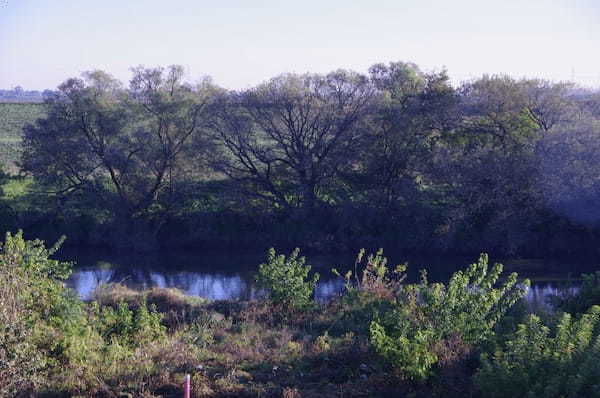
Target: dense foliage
[(394, 157), (561, 361), (47, 335), (286, 279), (427, 317), (32, 300), (127, 152)]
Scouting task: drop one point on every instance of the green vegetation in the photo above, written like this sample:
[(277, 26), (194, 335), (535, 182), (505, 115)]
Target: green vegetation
[(556, 361), (431, 318), (32, 301), (394, 157), (381, 337), (13, 117), (286, 279)]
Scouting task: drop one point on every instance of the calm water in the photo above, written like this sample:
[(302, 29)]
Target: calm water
[(231, 276)]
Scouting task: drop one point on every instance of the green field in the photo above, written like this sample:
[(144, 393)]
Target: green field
[(13, 117)]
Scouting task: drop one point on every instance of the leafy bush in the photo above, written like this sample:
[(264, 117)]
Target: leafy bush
[(426, 317), (286, 279), (540, 362), (46, 335), (20, 362), (32, 298)]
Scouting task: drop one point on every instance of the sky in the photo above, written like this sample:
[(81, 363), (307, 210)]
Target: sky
[(243, 43)]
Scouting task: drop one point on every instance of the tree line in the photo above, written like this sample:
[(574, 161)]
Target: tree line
[(396, 156), (20, 95)]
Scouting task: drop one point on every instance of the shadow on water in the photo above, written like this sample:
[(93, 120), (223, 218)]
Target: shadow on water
[(231, 276)]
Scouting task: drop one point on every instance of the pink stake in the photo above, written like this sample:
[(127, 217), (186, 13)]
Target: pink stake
[(186, 386)]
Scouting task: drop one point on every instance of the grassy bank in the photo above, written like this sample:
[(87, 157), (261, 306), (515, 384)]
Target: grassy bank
[(381, 338)]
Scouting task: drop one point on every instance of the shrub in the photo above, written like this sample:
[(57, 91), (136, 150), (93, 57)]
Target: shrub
[(323, 343), (128, 327), (286, 279), (32, 301), (538, 362), (47, 338), (20, 361), (424, 316)]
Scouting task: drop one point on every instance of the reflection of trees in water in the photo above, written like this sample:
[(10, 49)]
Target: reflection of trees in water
[(539, 294), (211, 286), (329, 288), (215, 284), (219, 286), (85, 281)]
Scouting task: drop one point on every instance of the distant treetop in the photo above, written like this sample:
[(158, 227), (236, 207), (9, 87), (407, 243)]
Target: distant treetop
[(18, 94)]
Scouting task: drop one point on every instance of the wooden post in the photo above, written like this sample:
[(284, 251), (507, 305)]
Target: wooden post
[(186, 386)]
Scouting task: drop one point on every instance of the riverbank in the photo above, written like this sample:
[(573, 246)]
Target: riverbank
[(249, 349), (381, 336)]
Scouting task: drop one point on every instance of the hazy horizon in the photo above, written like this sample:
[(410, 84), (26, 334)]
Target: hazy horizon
[(238, 45)]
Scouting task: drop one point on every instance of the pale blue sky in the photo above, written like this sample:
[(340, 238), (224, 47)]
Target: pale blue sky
[(241, 43)]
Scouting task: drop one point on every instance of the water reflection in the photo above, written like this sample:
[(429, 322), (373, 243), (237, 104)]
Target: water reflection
[(213, 286), (539, 294), (85, 281), (226, 276)]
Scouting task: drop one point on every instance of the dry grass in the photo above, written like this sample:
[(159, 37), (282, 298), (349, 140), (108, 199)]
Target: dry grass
[(177, 308), (113, 293)]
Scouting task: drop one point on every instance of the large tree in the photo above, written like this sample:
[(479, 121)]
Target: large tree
[(287, 139), (414, 110), (125, 148), (493, 157)]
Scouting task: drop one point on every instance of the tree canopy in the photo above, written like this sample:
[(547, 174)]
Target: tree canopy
[(395, 155)]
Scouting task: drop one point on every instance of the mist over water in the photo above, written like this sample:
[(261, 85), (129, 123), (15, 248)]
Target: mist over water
[(569, 166)]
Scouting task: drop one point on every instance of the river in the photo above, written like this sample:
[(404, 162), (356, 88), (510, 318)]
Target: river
[(225, 275)]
